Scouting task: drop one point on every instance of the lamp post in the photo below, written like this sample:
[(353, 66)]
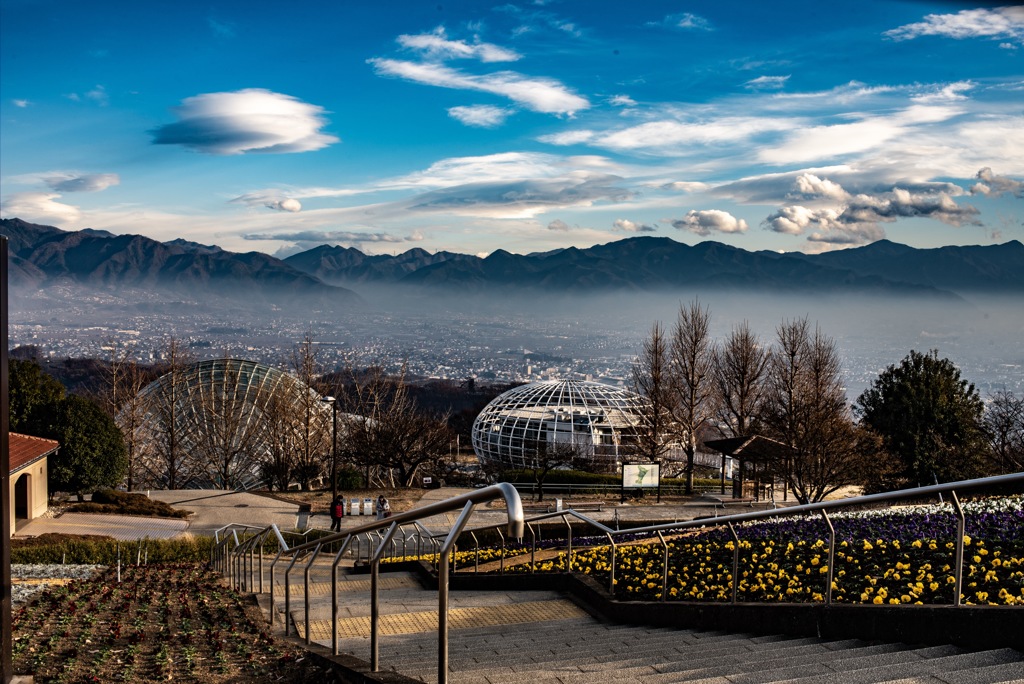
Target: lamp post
[(334, 445)]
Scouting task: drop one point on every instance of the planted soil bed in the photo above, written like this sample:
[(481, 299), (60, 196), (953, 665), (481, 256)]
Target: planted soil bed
[(176, 622)]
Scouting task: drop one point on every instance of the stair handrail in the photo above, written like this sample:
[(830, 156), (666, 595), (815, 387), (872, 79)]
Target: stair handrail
[(388, 526), (822, 507)]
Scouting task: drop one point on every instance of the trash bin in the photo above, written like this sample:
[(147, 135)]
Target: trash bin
[(368, 507)]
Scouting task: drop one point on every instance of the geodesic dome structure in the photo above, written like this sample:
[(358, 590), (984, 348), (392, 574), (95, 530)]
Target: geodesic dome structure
[(224, 418), (596, 422)]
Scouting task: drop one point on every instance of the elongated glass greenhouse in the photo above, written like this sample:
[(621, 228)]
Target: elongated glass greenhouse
[(582, 421), (219, 423)]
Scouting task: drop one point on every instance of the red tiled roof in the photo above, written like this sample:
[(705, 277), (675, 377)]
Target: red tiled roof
[(25, 449)]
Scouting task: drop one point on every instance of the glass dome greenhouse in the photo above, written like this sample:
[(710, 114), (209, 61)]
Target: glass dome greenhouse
[(587, 421)]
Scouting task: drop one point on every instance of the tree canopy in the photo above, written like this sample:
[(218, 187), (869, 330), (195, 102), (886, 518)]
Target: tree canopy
[(32, 395), (929, 418), (92, 452)]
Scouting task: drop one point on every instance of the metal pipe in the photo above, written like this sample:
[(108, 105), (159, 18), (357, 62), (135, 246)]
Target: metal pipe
[(831, 557), (533, 548), (288, 593), (476, 546), (442, 592), (501, 567), (735, 562), (568, 539), (664, 567), (305, 578), (375, 598), (959, 567), (611, 574), (334, 594)]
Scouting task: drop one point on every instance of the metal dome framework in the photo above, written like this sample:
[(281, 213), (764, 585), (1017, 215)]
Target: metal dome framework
[(597, 422), (227, 415)]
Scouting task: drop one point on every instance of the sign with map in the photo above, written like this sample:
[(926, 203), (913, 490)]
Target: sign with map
[(641, 475)]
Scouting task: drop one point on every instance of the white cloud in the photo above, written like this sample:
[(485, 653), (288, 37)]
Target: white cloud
[(622, 101), (39, 206), (20, 103), (668, 137), (948, 92), (271, 199), (558, 225), (628, 226), (994, 185), (327, 236), (809, 186), (543, 95), (684, 20), (997, 23), (766, 83), (99, 96), (681, 186), (73, 182), (435, 45), (568, 137), (481, 116), (246, 121), (710, 220), (857, 219)]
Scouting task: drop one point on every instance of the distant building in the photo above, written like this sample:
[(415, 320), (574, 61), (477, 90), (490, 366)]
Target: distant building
[(596, 422), (29, 495)]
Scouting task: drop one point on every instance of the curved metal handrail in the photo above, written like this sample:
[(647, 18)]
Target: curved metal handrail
[(383, 531)]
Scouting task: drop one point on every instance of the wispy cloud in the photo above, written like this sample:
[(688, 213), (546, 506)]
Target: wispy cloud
[(480, 116), (998, 23), (39, 206), (271, 200), (73, 182), (685, 20), (436, 45), (329, 236), (766, 83), (558, 225), (20, 103), (539, 94), (246, 121)]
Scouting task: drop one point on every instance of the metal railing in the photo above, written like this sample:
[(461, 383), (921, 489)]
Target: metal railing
[(730, 521), (235, 548)]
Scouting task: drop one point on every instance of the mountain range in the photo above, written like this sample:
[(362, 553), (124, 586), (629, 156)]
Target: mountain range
[(41, 256)]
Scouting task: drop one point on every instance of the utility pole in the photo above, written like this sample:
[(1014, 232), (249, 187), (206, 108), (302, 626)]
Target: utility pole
[(7, 647)]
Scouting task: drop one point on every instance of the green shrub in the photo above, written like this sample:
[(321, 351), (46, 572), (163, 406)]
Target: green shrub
[(349, 478), (127, 503)]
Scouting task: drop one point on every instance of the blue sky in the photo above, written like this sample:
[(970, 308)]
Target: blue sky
[(469, 126)]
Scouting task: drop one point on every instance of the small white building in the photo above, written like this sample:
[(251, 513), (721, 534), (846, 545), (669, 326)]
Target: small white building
[(29, 495)]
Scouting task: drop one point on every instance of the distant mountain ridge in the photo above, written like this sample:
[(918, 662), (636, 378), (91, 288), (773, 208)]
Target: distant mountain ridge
[(658, 263), (43, 255)]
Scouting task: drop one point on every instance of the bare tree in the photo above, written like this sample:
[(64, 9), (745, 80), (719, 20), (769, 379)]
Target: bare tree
[(282, 441), (692, 356), (385, 433), (1004, 421), (125, 381), (740, 367), (806, 409), (314, 439), (651, 376), (169, 464), (228, 430), (543, 456)]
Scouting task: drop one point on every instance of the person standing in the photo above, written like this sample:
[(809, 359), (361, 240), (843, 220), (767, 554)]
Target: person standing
[(337, 513), (383, 508)]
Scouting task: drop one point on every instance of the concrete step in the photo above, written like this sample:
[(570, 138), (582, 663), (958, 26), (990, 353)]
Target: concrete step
[(931, 661)]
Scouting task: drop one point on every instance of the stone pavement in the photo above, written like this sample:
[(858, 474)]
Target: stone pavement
[(215, 509)]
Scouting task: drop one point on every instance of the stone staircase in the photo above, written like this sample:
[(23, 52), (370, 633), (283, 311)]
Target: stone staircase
[(539, 637)]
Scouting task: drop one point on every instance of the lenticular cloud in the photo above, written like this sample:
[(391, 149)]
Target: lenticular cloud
[(251, 120)]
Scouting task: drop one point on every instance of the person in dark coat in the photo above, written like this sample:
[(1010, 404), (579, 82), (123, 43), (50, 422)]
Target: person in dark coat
[(337, 513)]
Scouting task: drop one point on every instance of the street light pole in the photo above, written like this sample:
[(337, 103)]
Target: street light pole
[(334, 445)]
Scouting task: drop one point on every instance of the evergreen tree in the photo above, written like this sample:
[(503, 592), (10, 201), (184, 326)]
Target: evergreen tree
[(92, 453), (930, 420)]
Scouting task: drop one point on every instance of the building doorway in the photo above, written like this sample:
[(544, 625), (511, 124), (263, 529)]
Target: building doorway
[(21, 498)]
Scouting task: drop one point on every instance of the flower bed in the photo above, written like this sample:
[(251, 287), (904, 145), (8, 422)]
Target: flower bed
[(896, 556), (161, 622)]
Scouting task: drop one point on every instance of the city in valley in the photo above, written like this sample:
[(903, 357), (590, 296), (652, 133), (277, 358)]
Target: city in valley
[(517, 339)]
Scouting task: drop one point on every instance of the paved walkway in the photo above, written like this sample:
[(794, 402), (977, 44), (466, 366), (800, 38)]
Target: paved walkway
[(213, 510)]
